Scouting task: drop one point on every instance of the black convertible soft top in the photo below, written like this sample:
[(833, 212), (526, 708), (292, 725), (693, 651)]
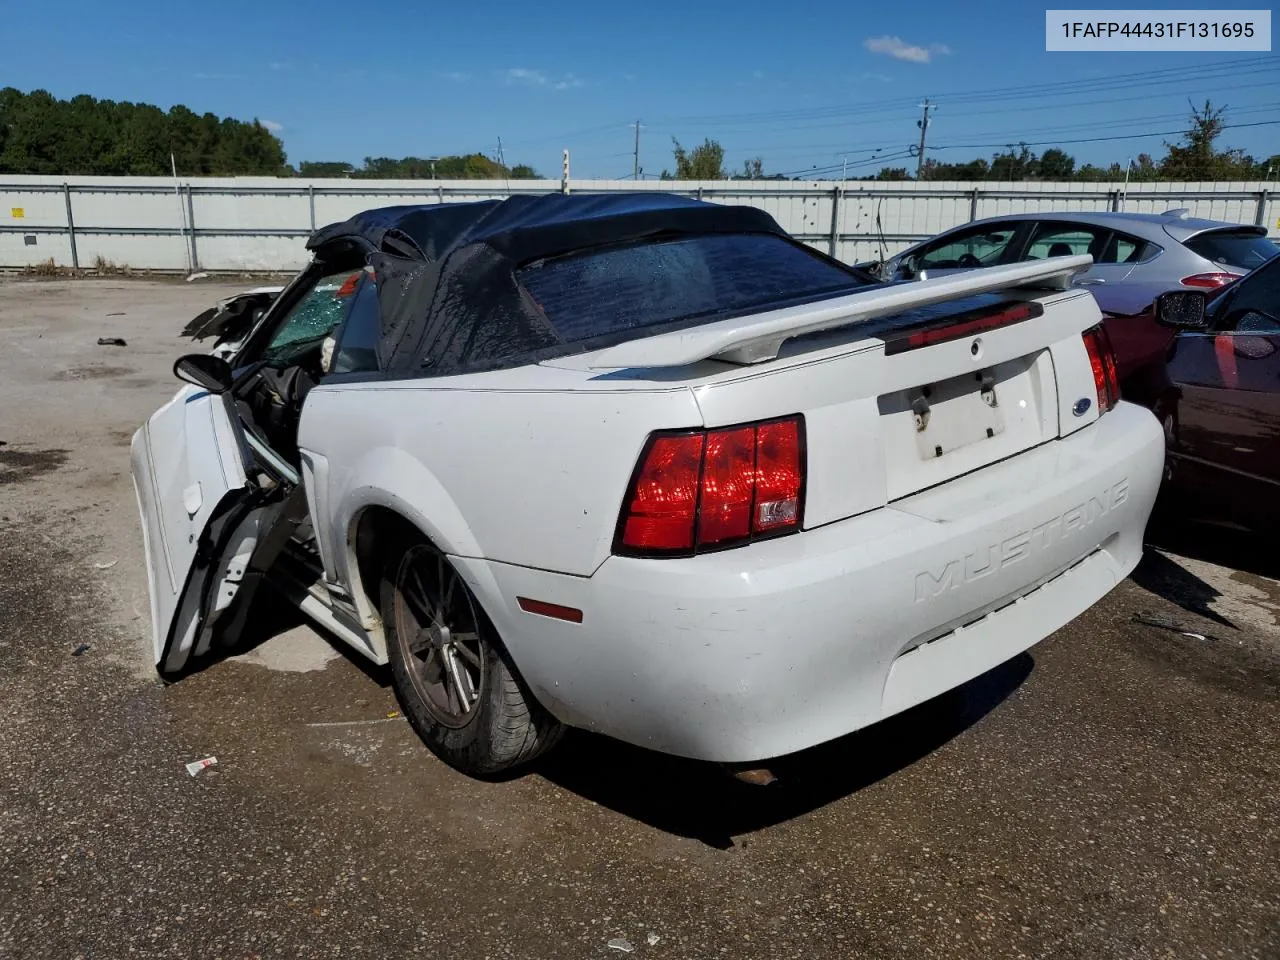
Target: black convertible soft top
[(527, 227), (447, 288)]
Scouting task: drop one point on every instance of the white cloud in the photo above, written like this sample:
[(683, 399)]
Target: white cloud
[(280, 65), (538, 78), (457, 76), (899, 49), (532, 78), (758, 74), (877, 77), (272, 125)]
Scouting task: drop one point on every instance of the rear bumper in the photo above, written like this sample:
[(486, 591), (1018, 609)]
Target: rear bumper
[(752, 653)]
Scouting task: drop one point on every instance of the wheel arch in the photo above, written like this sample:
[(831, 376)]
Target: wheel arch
[(372, 532), (376, 534), (388, 491)]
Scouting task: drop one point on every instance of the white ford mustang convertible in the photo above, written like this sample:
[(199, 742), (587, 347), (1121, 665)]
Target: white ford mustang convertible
[(643, 465)]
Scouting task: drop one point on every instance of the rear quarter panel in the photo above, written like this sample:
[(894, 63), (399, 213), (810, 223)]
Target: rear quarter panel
[(491, 465)]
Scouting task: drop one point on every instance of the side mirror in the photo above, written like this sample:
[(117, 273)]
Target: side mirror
[(1181, 309), (204, 370)]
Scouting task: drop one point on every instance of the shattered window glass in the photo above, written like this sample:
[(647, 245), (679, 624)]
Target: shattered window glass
[(313, 317)]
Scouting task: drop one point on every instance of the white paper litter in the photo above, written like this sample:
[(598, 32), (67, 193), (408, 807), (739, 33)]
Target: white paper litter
[(195, 766)]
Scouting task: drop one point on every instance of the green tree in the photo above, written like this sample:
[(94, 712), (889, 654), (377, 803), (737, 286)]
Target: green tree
[(1144, 168), (892, 173), (83, 135), (1196, 159), (1056, 164), (1013, 166), (325, 168), (471, 166), (704, 162), (973, 170)]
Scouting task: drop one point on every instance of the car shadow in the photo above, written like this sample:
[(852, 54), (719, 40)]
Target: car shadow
[(704, 802), (1199, 539), (1160, 575), (1222, 545)]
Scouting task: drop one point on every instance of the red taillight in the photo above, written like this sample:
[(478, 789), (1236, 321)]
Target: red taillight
[(727, 490), (1103, 361), (779, 476), (1209, 281), (705, 489), (663, 502)]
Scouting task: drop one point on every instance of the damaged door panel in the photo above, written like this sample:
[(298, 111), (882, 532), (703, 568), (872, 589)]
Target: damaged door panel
[(215, 515)]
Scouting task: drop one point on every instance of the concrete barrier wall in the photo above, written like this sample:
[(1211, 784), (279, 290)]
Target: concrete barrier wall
[(261, 223)]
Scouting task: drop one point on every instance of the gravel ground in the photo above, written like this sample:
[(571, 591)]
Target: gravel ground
[(1112, 794)]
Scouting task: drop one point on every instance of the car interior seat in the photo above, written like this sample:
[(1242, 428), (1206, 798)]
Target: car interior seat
[(1060, 249)]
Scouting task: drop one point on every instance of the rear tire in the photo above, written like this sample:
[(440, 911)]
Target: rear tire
[(452, 676)]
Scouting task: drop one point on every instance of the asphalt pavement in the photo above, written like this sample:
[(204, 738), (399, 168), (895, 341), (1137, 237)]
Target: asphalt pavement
[(1114, 793)]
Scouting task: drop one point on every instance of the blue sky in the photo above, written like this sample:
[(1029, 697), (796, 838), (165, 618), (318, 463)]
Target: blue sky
[(797, 85)]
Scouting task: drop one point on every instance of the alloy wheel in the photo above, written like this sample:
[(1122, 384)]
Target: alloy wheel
[(437, 627)]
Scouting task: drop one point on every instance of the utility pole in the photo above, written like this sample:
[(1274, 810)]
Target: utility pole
[(564, 173), (923, 124), (635, 163)]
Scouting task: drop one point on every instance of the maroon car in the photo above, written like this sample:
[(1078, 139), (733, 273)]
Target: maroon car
[(1220, 396)]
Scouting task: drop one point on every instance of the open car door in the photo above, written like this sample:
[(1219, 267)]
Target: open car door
[(217, 507)]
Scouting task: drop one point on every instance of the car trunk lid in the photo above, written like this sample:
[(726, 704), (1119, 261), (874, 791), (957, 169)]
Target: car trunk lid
[(897, 403), (884, 422)]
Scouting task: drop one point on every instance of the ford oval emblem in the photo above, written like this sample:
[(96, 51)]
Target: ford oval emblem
[(1081, 406)]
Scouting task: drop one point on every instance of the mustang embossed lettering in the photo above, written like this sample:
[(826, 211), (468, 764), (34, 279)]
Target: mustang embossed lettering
[(998, 555)]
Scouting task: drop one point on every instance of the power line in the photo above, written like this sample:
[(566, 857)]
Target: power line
[(1014, 136), (1062, 93), (1056, 129), (1127, 136), (888, 114), (1126, 121), (908, 152), (1022, 91), (892, 106), (831, 168)]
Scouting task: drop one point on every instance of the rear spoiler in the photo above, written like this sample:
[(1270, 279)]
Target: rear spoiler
[(759, 337)]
